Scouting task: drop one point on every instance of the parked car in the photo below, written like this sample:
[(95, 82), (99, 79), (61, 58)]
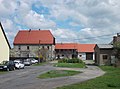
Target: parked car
[(27, 62), (19, 64), (7, 66), (34, 61)]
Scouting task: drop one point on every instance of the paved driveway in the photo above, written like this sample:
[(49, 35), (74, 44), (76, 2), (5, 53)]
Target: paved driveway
[(26, 78)]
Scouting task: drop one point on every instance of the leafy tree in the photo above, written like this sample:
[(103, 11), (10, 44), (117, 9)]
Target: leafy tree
[(117, 53), (42, 54)]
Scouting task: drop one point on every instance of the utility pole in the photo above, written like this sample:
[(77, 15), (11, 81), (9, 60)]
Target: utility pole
[(39, 52)]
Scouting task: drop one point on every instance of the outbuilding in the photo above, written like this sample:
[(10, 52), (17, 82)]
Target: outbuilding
[(103, 54)]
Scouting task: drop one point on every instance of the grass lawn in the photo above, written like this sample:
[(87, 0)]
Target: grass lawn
[(39, 64), (58, 73), (70, 65), (3, 72), (111, 80)]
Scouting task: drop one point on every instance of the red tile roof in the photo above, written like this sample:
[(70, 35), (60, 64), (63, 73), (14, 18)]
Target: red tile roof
[(78, 47), (86, 47), (66, 46), (34, 37)]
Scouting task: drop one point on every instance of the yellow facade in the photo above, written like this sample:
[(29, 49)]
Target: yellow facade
[(4, 47)]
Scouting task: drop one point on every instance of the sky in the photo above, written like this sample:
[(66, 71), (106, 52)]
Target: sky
[(79, 21)]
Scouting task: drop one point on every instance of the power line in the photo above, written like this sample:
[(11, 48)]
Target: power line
[(95, 37), (90, 37)]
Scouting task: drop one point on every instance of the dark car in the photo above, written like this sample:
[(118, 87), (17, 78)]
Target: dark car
[(7, 66)]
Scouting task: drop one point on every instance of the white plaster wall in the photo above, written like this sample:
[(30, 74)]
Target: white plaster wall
[(93, 56), (4, 48), (83, 57)]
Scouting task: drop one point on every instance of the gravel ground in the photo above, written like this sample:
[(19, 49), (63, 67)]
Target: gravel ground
[(27, 78)]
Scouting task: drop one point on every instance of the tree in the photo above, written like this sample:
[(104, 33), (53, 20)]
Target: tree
[(117, 52), (42, 54)]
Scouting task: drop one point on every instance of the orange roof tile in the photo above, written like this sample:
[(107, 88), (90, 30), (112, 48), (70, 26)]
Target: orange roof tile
[(78, 47), (86, 47), (34, 37), (66, 46)]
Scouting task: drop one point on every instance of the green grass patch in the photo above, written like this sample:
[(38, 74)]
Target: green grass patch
[(70, 65), (3, 72), (111, 80), (58, 73), (39, 64)]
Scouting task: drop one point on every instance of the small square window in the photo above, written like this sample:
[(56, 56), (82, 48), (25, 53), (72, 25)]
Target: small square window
[(105, 56), (27, 47), (43, 47), (80, 55), (19, 47)]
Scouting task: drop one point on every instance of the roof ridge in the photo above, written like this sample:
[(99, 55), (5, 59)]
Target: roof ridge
[(5, 35), (33, 37)]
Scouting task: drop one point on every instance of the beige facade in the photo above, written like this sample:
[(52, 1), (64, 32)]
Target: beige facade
[(34, 43), (4, 46), (32, 50), (65, 53)]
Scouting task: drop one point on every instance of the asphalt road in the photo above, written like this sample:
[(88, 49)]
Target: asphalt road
[(27, 78)]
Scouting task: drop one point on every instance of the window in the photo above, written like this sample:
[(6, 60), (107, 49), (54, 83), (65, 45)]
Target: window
[(19, 55), (61, 50), (80, 55), (27, 47), (27, 55), (47, 47), (43, 47), (62, 55), (19, 47), (105, 56), (57, 51)]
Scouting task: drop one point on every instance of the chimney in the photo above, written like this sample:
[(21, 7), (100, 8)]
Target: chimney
[(114, 39), (29, 30), (118, 34)]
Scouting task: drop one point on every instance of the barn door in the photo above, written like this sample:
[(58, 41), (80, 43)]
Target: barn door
[(89, 56)]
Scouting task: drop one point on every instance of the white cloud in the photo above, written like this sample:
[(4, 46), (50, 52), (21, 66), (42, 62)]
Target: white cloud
[(101, 15), (10, 29), (96, 17), (7, 7), (74, 24), (35, 20), (64, 35)]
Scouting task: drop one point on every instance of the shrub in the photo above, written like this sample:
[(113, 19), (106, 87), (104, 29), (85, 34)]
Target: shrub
[(62, 60), (73, 60)]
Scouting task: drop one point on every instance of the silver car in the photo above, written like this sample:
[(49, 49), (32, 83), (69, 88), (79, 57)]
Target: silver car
[(19, 64)]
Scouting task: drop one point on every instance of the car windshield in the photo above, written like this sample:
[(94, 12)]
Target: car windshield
[(8, 62)]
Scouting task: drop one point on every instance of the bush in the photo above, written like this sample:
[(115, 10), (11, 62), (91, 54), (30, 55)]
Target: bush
[(73, 60), (62, 60)]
